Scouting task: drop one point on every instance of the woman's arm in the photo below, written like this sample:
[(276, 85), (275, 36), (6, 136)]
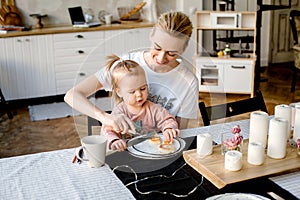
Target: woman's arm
[(77, 98)]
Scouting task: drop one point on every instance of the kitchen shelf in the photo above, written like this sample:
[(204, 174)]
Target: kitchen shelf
[(244, 39), (227, 74), (227, 21)]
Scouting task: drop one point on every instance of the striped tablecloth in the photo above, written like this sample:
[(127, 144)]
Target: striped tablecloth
[(216, 130), (290, 182), (51, 175)]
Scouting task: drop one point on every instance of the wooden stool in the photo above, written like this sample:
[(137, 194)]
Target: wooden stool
[(4, 105)]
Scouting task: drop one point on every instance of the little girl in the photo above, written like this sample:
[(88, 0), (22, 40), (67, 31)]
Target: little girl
[(130, 92)]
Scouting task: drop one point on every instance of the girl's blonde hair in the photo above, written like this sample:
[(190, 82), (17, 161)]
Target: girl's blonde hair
[(121, 69), (176, 23)]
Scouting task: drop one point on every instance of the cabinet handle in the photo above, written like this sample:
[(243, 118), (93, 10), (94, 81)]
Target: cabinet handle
[(81, 74), (80, 51), (79, 36), (238, 67), (19, 40), (27, 40), (210, 66)]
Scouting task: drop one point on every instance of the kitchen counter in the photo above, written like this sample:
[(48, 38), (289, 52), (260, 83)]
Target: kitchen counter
[(69, 28), (68, 55)]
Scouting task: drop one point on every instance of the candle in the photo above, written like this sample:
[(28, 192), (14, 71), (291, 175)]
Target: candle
[(292, 105), (277, 138), (204, 144), (284, 111), (259, 124), (296, 134), (233, 160), (256, 153)]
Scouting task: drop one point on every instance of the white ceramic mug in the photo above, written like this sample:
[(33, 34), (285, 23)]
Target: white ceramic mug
[(108, 19), (94, 149)]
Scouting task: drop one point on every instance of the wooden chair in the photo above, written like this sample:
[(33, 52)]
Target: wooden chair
[(4, 105), (93, 122), (221, 111), (294, 23), (101, 94)]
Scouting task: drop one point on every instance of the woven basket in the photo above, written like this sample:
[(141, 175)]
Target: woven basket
[(124, 10)]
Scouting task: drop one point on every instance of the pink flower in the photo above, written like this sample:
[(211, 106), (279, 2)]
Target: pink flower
[(298, 143), (236, 129), (232, 143)]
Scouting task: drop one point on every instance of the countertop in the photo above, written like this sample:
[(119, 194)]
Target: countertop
[(69, 28)]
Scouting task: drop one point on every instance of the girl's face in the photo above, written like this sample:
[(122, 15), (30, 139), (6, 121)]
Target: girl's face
[(133, 89), (165, 48)]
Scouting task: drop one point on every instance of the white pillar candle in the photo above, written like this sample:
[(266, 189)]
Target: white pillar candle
[(292, 105), (256, 153), (259, 125), (296, 134), (284, 111), (204, 144), (233, 160), (277, 138)]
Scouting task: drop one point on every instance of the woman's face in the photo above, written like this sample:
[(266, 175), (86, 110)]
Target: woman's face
[(165, 48)]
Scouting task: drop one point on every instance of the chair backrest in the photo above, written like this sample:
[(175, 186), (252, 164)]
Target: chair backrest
[(103, 100), (293, 15), (93, 122), (220, 111)]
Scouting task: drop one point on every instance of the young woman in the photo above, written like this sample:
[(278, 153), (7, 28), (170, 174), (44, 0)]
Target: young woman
[(130, 93), (170, 83)]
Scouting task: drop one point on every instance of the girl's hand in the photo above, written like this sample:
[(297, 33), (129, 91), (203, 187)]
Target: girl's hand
[(119, 145), (120, 123), (170, 133)]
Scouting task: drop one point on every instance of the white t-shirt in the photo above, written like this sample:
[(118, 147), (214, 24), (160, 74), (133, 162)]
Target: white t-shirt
[(176, 90)]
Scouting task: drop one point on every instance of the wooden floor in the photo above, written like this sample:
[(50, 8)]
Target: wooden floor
[(19, 136)]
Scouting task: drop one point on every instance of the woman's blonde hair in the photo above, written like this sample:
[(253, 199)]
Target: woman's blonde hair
[(176, 23), (121, 69)]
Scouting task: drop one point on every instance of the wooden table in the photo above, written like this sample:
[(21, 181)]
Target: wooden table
[(212, 166)]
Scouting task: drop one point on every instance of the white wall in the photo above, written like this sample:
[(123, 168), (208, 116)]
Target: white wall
[(57, 10), (189, 7)]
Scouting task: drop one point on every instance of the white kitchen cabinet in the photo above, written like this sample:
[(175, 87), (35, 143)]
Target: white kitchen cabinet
[(27, 68), (239, 76), (225, 75), (50, 64), (77, 55)]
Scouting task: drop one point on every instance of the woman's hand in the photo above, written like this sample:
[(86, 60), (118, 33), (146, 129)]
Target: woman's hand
[(170, 133), (119, 123), (119, 145)]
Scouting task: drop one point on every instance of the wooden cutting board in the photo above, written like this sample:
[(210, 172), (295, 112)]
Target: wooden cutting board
[(212, 166), (10, 14)]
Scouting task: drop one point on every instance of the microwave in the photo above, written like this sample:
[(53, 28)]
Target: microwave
[(225, 20)]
